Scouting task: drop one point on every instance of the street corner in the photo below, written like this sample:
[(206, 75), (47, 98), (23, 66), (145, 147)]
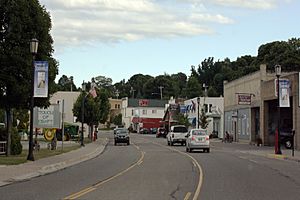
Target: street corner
[(276, 156), (284, 157)]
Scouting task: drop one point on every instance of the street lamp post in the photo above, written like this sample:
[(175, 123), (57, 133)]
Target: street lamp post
[(82, 112), (160, 88), (278, 73), (33, 50), (198, 118)]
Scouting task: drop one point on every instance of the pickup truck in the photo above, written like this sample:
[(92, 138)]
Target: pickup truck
[(177, 135)]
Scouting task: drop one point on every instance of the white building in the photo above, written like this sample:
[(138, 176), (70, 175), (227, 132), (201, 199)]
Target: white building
[(142, 113), (214, 109), (69, 100)]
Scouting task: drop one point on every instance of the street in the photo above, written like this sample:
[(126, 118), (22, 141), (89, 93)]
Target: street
[(149, 169)]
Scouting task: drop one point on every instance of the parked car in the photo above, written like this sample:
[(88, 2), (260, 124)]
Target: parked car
[(144, 131), (153, 130), (286, 137), (121, 136), (177, 134), (197, 139), (161, 132)]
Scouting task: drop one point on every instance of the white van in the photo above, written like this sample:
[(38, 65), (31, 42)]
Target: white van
[(177, 135)]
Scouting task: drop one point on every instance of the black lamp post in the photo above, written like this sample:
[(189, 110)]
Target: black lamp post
[(198, 118), (278, 73), (82, 112), (33, 50)]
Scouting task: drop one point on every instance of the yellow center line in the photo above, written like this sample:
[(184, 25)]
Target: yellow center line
[(187, 196), (198, 189), (80, 193), (90, 189)]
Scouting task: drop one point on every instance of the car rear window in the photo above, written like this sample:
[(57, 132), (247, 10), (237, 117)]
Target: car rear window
[(180, 129), (122, 131), (199, 132)]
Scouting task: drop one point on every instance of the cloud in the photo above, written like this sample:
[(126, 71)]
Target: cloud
[(253, 4), (77, 22)]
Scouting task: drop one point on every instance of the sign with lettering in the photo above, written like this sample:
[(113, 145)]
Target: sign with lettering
[(47, 117), (143, 102), (244, 99)]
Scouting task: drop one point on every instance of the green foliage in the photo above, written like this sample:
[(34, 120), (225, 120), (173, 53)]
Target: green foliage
[(210, 72), (66, 83), (95, 109), (16, 146), (20, 22), (182, 119), (193, 88), (117, 120)]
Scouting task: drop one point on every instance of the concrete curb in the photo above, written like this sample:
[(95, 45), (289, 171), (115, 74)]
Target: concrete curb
[(272, 156), (57, 166)]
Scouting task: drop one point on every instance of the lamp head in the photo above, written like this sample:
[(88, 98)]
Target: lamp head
[(278, 70), (34, 43)]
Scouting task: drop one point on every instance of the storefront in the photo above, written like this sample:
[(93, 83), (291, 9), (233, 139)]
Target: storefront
[(256, 118)]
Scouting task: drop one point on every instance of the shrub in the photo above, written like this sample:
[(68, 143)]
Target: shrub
[(16, 146)]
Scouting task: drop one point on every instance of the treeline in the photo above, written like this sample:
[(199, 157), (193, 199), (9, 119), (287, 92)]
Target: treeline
[(210, 72)]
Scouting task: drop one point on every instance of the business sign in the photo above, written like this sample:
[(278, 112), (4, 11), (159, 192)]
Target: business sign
[(244, 99), (40, 79), (47, 117), (143, 102)]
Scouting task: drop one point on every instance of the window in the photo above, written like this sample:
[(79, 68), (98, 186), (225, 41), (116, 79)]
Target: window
[(154, 111), (132, 112), (116, 106), (205, 108), (144, 112), (119, 106)]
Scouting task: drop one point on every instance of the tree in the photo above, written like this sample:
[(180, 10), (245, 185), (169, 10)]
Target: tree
[(136, 82), (95, 109), (20, 21), (182, 119), (203, 121), (286, 54), (66, 83), (193, 88), (117, 120)]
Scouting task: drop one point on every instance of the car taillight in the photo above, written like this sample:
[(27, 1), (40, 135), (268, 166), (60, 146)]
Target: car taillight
[(172, 135), (207, 138), (193, 138)]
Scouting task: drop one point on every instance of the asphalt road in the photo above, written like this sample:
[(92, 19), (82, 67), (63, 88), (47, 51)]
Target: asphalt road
[(149, 169)]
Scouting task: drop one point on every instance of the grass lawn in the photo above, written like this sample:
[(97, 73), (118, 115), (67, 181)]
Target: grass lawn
[(42, 153)]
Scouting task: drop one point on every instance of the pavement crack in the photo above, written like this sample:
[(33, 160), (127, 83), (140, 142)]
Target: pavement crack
[(173, 193)]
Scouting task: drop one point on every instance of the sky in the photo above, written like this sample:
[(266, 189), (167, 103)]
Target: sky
[(120, 38)]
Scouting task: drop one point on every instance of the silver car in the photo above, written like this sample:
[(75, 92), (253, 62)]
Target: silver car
[(197, 139)]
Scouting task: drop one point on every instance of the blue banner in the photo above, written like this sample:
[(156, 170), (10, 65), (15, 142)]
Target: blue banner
[(40, 79)]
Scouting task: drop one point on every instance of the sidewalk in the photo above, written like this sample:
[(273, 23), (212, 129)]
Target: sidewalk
[(266, 151), (30, 169), (269, 152)]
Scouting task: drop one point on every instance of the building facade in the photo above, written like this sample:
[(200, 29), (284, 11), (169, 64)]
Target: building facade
[(250, 106), (213, 108), (142, 113), (69, 99)]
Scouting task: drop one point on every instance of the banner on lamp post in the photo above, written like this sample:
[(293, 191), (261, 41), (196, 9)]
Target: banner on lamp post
[(284, 93), (40, 79)]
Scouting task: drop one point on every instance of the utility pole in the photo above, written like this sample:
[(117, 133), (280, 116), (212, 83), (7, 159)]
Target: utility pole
[(117, 94), (132, 91), (205, 89), (160, 88)]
